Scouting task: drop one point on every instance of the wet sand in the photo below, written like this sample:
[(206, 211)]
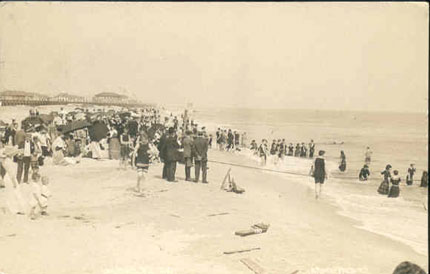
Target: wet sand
[(97, 224)]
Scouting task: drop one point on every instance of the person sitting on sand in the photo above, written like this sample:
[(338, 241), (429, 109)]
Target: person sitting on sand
[(395, 188), (410, 176), (424, 179), (364, 173), (385, 185), (319, 172), (142, 152)]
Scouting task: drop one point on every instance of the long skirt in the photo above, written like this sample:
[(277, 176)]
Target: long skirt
[(114, 149), (394, 192), (384, 188), (95, 150)]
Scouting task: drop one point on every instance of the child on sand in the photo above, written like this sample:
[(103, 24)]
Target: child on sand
[(395, 182), (39, 195)]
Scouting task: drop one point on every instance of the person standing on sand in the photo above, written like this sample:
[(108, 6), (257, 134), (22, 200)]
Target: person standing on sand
[(201, 157), (319, 172), (170, 151), (342, 166), (384, 187), (410, 176), (368, 156), (395, 188), (187, 144), (125, 141), (142, 159), (160, 147)]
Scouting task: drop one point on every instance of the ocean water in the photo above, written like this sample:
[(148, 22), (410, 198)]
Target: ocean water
[(398, 139)]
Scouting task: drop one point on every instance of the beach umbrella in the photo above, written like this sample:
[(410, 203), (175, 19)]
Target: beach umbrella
[(98, 131), (75, 125), (46, 118), (33, 121)]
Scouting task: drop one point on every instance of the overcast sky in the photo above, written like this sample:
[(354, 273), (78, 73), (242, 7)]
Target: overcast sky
[(358, 56)]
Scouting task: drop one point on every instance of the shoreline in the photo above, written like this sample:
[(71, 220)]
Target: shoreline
[(169, 230)]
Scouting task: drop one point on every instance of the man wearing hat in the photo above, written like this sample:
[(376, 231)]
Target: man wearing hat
[(201, 157), (170, 152)]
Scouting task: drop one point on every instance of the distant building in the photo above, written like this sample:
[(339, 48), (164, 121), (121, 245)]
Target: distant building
[(67, 98), (14, 97), (110, 98)]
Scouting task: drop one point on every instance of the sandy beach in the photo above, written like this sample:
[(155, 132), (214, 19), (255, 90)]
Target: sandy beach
[(98, 225)]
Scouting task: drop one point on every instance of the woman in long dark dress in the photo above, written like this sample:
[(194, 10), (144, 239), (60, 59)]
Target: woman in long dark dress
[(319, 173), (342, 165), (395, 188), (384, 187), (364, 173)]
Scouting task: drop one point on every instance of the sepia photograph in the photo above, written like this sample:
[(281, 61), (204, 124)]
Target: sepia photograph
[(214, 137)]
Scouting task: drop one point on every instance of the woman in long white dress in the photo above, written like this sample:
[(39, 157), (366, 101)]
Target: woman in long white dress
[(14, 201)]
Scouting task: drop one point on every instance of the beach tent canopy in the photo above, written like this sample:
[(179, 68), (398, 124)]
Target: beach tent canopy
[(75, 125), (98, 131), (31, 122)]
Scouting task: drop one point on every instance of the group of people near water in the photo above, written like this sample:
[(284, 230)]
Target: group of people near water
[(279, 149)]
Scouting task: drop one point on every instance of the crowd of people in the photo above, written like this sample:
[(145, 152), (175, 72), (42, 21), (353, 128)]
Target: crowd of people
[(134, 137)]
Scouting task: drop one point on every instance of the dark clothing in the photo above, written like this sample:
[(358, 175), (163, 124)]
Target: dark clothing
[(203, 166), (142, 157), (187, 144), (132, 126), (364, 173), (311, 150), (170, 149), (424, 180), (201, 149), (170, 170), (394, 189), (384, 187), (319, 170), (23, 165), (410, 177), (273, 149)]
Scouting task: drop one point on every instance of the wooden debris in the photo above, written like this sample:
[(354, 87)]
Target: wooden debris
[(252, 265), (241, 251), (255, 229), (218, 214)]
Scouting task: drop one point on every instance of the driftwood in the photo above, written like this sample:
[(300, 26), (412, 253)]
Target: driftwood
[(218, 214), (255, 229), (252, 265), (241, 250)]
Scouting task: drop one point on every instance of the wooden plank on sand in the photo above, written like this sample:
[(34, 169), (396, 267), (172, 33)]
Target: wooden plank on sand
[(252, 265)]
